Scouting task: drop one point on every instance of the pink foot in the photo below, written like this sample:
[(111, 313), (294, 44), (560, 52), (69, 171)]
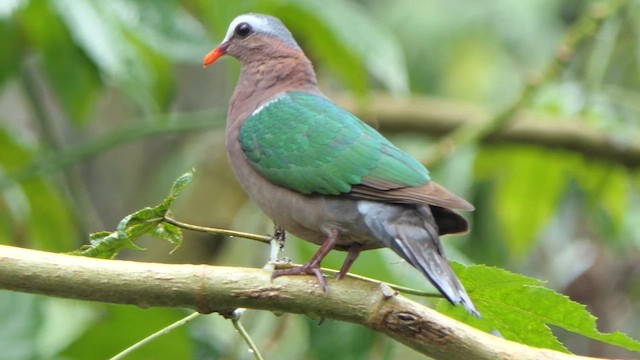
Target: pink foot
[(303, 270), (313, 266)]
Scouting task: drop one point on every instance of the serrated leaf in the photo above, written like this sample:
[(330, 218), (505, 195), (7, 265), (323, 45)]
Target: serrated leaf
[(146, 221), (521, 309)]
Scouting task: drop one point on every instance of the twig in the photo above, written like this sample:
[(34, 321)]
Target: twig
[(235, 320), (582, 30), (73, 187), (155, 335), (261, 238), (400, 288), (418, 113), (62, 159), (438, 118), (275, 247)]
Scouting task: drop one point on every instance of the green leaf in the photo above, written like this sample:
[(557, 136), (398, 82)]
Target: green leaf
[(347, 40), (178, 185), (10, 50), (51, 223), (341, 340), (341, 36), (521, 309), (34, 210), (104, 245), (607, 187), (57, 332), (614, 197), (121, 326), (139, 223), (319, 41), (51, 162), (168, 29), (107, 245), (529, 183), (168, 232), (22, 314), (374, 45), (74, 78), (103, 30)]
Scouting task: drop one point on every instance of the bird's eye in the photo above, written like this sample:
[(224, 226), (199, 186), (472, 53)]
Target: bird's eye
[(243, 30)]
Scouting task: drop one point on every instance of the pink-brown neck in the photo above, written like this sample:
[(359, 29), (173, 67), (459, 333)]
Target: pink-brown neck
[(268, 69)]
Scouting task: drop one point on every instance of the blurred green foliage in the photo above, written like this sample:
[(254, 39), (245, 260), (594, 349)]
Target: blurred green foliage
[(103, 104)]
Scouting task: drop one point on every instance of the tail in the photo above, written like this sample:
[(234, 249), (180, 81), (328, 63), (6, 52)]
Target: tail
[(425, 254), (411, 233)]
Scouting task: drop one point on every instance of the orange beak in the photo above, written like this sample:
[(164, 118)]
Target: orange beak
[(215, 54)]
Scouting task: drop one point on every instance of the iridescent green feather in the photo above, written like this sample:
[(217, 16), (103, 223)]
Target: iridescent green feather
[(306, 143)]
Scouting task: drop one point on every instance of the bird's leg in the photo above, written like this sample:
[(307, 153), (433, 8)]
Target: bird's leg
[(279, 235), (312, 267), (352, 255), (277, 244)]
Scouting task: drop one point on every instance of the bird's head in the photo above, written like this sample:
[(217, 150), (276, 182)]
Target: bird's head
[(250, 36)]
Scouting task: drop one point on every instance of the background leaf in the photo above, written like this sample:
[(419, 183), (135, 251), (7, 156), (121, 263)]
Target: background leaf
[(374, 47), (527, 191)]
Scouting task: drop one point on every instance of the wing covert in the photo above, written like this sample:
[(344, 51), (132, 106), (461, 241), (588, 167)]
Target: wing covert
[(306, 143)]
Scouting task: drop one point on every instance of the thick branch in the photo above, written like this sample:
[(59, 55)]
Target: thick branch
[(212, 288), (441, 117)]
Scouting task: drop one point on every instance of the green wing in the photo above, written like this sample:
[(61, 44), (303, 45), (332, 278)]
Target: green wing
[(306, 143)]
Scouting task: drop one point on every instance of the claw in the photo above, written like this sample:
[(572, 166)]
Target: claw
[(305, 269)]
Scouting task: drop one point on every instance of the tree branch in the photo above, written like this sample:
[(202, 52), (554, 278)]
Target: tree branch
[(422, 114), (441, 117), (221, 289)]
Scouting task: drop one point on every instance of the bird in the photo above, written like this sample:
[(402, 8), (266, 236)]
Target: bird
[(321, 173)]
